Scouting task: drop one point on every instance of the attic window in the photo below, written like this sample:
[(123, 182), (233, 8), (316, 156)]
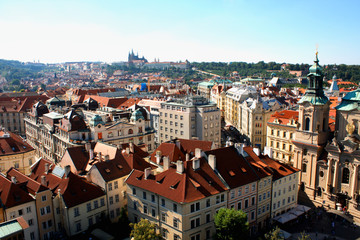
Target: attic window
[(243, 170), (231, 172), (282, 169), (160, 180), (175, 185), (24, 147), (107, 170), (139, 177), (119, 166)]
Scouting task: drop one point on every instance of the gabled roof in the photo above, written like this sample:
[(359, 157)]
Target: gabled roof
[(284, 117), (74, 189), (32, 186), (11, 143), (233, 167), (13, 194), (261, 169), (170, 150), (113, 169), (279, 169), (192, 185)]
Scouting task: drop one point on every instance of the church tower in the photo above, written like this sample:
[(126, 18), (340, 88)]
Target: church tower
[(312, 130)]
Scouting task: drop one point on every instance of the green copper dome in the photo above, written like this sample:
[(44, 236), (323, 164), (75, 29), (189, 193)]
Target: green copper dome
[(316, 69), (136, 115)]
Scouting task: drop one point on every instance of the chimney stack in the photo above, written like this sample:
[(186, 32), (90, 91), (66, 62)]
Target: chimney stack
[(131, 146), (268, 151), (99, 156), (87, 147), (158, 157), (256, 151), (212, 161), (46, 168), (240, 148), (187, 157), (147, 172), (43, 180), (106, 157), (127, 150), (177, 142), (197, 152), (13, 179), (91, 154), (166, 163), (196, 164), (180, 166), (67, 171)]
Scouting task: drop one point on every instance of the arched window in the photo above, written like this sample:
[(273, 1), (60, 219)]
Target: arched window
[(307, 124), (130, 131), (303, 169), (345, 175)]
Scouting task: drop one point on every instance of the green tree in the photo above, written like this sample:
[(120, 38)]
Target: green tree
[(123, 227), (274, 234), (231, 224), (304, 236), (144, 230)]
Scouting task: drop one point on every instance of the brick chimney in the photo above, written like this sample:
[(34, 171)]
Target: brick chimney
[(147, 172), (180, 166), (166, 163)]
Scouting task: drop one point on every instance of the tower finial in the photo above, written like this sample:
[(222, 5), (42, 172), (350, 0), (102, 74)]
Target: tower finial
[(317, 53)]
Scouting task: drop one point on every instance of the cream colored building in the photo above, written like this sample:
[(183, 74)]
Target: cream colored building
[(188, 118), (15, 152), (281, 129)]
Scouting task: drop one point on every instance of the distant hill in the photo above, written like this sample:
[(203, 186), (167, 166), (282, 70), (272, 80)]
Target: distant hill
[(15, 70)]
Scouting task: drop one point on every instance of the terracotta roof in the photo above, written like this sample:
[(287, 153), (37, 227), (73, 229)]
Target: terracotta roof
[(192, 185), (79, 157), (13, 194), (188, 146), (279, 169), (284, 116), (12, 144), (170, 150), (113, 169), (261, 169), (128, 103), (106, 101), (75, 190), (32, 186), (233, 168)]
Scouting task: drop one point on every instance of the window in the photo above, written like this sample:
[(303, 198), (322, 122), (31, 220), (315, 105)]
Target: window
[(208, 203), (164, 233), (30, 222), (246, 203), (134, 191), (174, 207), (48, 209), (252, 215), (153, 212), (246, 189), (144, 195), (78, 226), (32, 235), (111, 200), (152, 197), (195, 207), (112, 214), (195, 223), (307, 124), (163, 202), (303, 169), (90, 221), (116, 185), (253, 201), (117, 198), (58, 210), (175, 223), (163, 217), (102, 202), (253, 187), (260, 198), (345, 176), (96, 204), (88, 207), (208, 217), (43, 198), (145, 208), (28, 210), (76, 212), (42, 211), (239, 206), (239, 192)]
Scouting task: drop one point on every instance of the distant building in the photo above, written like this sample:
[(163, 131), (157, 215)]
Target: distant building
[(188, 118)]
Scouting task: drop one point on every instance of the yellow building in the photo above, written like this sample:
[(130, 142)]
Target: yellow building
[(15, 152), (281, 129)]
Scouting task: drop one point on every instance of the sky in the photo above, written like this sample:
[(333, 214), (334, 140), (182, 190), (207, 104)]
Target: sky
[(288, 31)]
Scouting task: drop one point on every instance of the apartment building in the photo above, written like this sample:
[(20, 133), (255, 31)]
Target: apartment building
[(284, 186), (15, 152), (17, 202), (281, 129), (188, 118), (77, 203), (43, 201), (154, 106), (181, 200)]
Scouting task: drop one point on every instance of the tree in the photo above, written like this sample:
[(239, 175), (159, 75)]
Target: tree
[(274, 234), (123, 227), (304, 236), (144, 230), (231, 224)]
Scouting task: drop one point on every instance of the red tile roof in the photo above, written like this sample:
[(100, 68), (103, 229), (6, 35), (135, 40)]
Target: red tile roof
[(284, 116), (32, 186), (279, 169), (74, 189), (192, 185), (233, 168), (13, 194), (13, 144)]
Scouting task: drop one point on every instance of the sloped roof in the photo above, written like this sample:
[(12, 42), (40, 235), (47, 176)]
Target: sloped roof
[(13, 144), (192, 185), (113, 169), (13, 194), (284, 116), (32, 186)]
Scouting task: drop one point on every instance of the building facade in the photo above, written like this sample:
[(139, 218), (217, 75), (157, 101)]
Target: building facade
[(188, 118)]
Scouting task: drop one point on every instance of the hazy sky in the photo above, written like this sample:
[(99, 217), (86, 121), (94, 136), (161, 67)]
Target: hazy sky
[(197, 30)]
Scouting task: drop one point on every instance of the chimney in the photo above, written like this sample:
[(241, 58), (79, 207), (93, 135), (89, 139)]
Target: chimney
[(99, 156), (46, 168), (67, 171), (131, 146), (119, 147), (212, 161), (240, 148), (127, 150), (13, 179), (268, 151), (187, 157), (147, 172), (256, 151), (43, 180), (196, 164), (177, 142), (197, 152), (87, 147), (158, 157), (91, 154), (166, 163), (107, 157), (179, 166)]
